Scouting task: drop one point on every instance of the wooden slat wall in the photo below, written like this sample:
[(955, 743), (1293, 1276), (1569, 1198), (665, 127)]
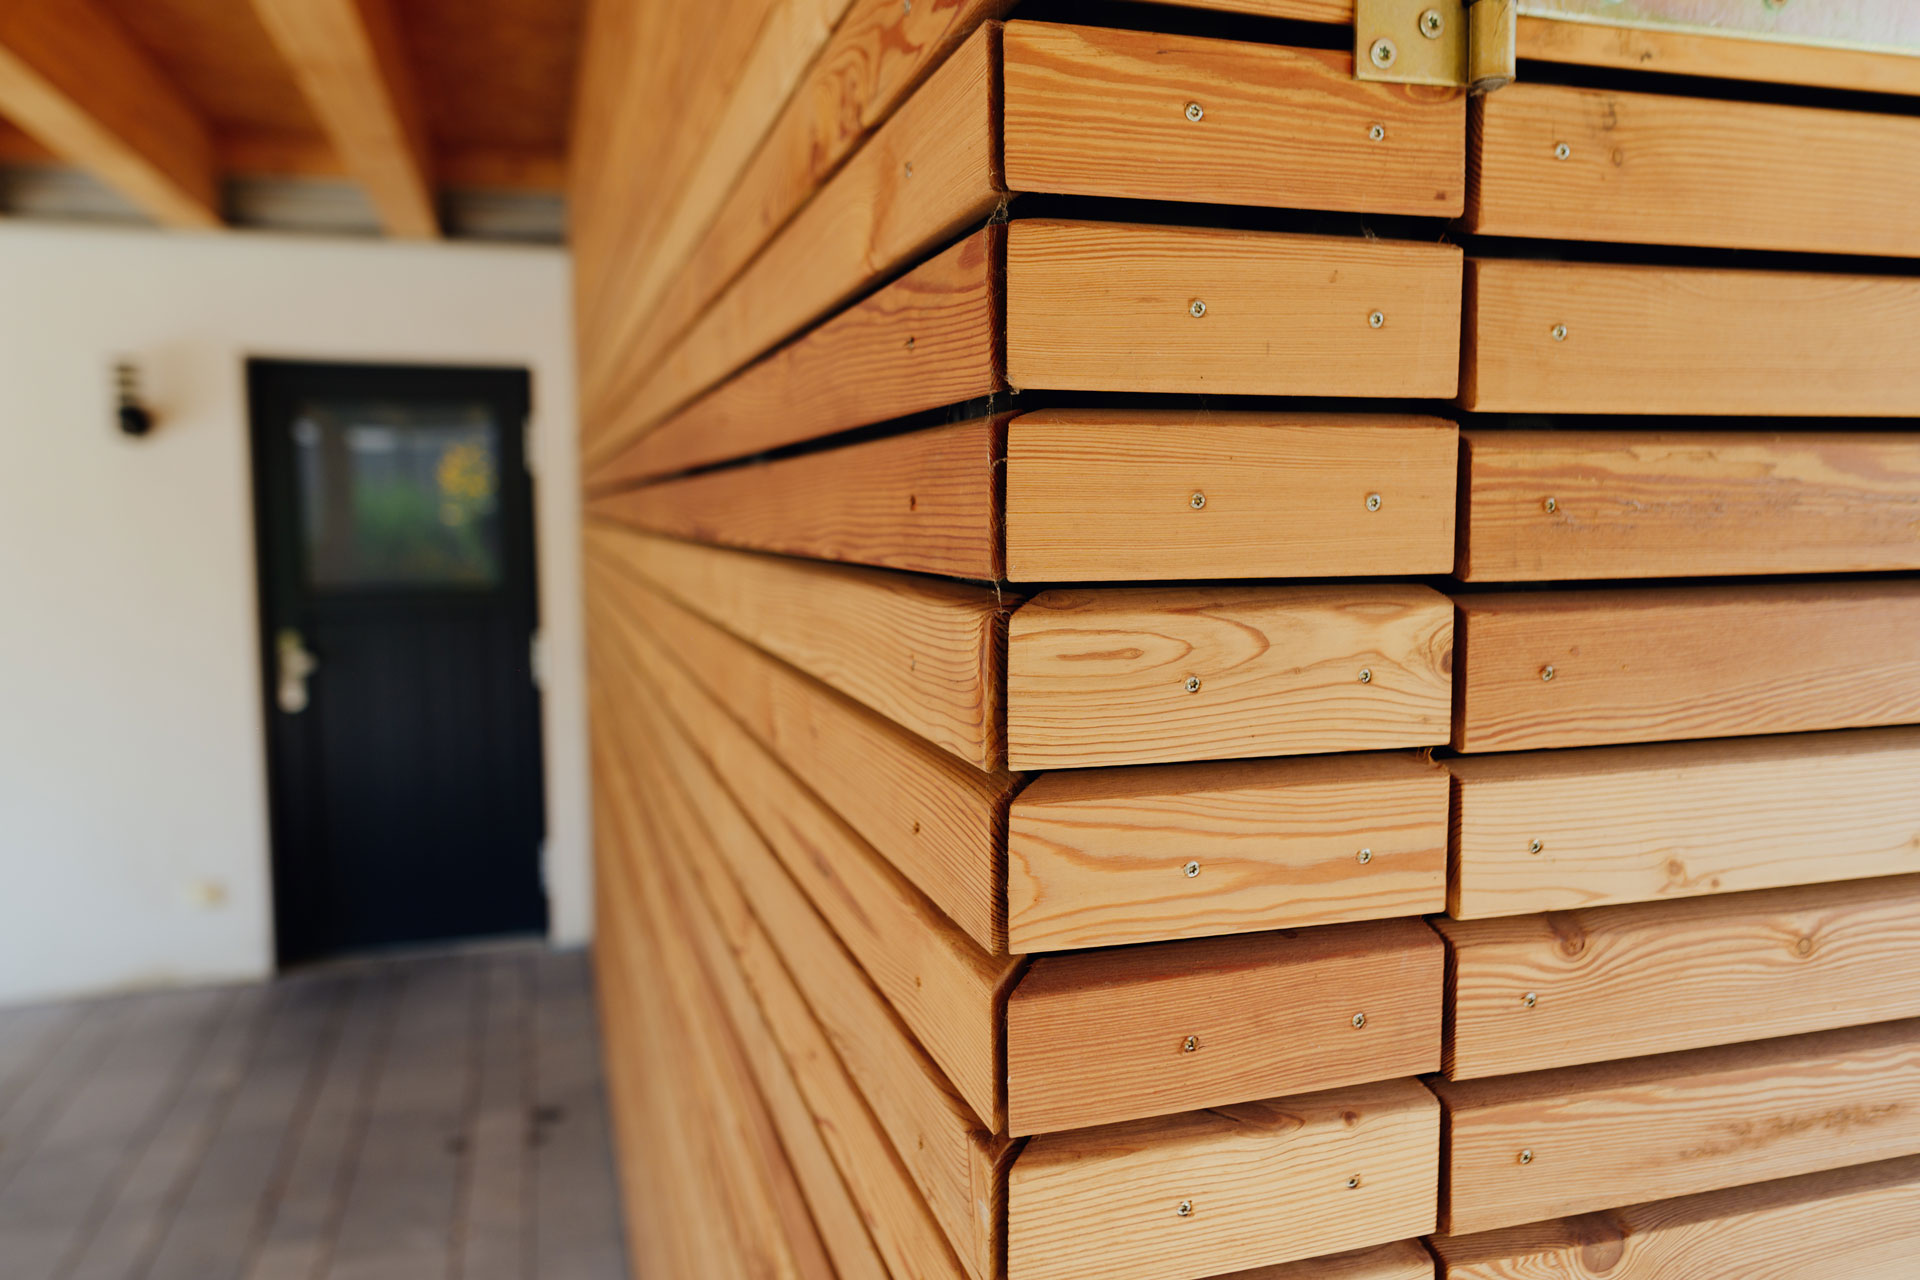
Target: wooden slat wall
[(1071, 799)]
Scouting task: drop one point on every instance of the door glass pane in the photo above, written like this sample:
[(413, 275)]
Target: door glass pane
[(398, 495)]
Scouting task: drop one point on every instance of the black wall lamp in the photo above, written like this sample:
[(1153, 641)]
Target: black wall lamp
[(134, 417)]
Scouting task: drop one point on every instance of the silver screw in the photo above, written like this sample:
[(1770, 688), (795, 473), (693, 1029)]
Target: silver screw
[(1559, 332), (1376, 131), (1196, 112), (1561, 151), (1383, 53), (1197, 501), (1551, 506), (906, 6), (1191, 870), (1365, 856), (1376, 319), (1193, 684), (1359, 1019), (1198, 309), (1530, 999), (1432, 24), (1526, 1156), (1184, 1208), (1546, 672), (1353, 1182), (909, 168), (1373, 502), (1190, 1044), (1534, 846), (1366, 675)]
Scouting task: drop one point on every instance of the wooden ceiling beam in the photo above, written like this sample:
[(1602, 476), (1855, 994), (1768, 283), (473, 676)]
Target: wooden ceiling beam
[(349, 61), (74, 80)]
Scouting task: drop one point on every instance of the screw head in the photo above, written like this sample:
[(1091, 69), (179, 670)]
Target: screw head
[(1197, 501), (1546, 672), (1365, 856), (1561, 151), (1359, 1020), (1559, 333), (1550, 506), (1353, 1181), (1198, 309), (1184, 1208), (1383, 53), (1526, 1156), (1376, 131), (1530, 999), (1366, 675), (1190, 1044), (1375, 319), (1193, 684), (1534, 846), (1373, 502), (1196, 112), (1191, 870), (1432, 24)]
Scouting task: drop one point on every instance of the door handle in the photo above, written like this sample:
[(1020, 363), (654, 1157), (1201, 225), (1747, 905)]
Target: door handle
[(296, 663)]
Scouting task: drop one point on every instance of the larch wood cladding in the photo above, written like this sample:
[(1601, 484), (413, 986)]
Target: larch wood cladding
[(1204, 668)]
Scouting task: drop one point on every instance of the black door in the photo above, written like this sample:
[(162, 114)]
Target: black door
[(395, 526)]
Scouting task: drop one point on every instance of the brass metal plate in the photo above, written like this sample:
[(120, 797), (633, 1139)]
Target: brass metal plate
[(1410, 41)]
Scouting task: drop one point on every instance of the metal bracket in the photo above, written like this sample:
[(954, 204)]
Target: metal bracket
[(1463, 43)]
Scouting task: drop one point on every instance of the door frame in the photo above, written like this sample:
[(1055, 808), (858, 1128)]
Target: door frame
[(271, 383)]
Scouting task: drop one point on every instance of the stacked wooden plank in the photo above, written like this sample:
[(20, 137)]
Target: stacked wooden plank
[(1052, 820)]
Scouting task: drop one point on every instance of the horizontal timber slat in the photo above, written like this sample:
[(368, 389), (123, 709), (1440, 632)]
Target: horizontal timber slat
[(1651, 1128), (1124, 1034), (1262, 1182), (1862, 1223), (1095, 111), (1565, 337), (1530, 992), (1654, 168), (926, 653), (927, 501), (1117, 494), (1406, 1260), (1144, 675), (1640, 824), (946, 988), (1096, 857), (1580, 668), (1097, 306), (928, 339), (1554, 505)]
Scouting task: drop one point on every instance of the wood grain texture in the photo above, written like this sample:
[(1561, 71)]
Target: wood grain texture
[(1301, 10), (1677, 1124), (948, 990), (1654, 168), (1684, 662), (1727, 968), (938, 821), (73, 78), (350, 61), (927, 654), (1862, 1223), (1102, 1037), (1109, 307), (905, 1224), (1142, 675), (1096, 857), (1405, 1260), (868, 222), (1649, 339), (1266, 1182), (880, 52), (1644, 824), (1689, 53), (1101, 112), (1101, 495), (927, 501), (1656, 504), (925, 340)]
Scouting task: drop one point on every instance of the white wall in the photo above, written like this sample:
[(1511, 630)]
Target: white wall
[(133, 810)]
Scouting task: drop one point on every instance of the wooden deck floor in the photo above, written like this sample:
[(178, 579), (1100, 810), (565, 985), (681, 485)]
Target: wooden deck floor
[(435, 1116)]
